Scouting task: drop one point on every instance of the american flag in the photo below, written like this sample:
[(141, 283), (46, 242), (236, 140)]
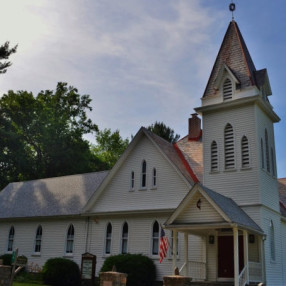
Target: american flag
[(164, 244)]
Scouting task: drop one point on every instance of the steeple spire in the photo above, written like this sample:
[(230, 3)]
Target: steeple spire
[(235, 56)]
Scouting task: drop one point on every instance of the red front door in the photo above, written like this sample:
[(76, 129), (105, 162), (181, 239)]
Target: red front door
[(225, 256)]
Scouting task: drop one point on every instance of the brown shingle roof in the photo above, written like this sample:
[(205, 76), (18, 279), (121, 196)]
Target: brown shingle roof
[(193, 153), (234, 54)]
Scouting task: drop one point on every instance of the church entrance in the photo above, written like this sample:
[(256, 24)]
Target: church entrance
[(225, 257)]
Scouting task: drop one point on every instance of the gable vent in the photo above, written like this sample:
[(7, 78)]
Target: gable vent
[(244, 152), (228, 147), (227, 89), (214, 157)]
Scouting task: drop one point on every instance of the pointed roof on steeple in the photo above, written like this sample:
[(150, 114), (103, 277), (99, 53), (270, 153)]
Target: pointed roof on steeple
[(234, 55)]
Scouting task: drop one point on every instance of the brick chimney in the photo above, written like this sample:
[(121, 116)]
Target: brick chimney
[(195, 130)]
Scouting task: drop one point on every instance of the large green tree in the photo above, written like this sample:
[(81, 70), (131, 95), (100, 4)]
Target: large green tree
[(110, 145), (42, 136), (164, 131), (5, 52)]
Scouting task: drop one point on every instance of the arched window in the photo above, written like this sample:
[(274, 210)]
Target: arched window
[(214, 156), (108, 239), (262, 153), (132, 180), (229, 147), (154, 177), (155, 238), (144, 174), (38, 239), (272, 241), (70, 239), (124, 239), (244, 152), (227, 89), (11, 238), (273, 162), (267, 151)]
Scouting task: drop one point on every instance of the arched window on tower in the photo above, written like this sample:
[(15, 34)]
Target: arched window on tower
[(244, 152), (214, 157), (273, 162), (267, 151), (229, 147), (262, 153), (227, 89), (272, 241)]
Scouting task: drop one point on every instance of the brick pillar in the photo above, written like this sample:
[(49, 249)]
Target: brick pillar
[(113, 279), (176, 280)]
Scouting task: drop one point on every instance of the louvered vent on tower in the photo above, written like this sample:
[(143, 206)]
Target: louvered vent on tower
[(227, 89), (214, 157), (229, 147), (244, 152)]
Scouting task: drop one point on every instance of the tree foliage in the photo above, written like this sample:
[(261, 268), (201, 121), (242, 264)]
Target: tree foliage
[(164, 131), (109, 147), (5, 52), (42, 136)]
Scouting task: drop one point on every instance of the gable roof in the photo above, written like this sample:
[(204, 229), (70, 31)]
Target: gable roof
[(168, 150), (234, 54), (228, 209), (58, 196)]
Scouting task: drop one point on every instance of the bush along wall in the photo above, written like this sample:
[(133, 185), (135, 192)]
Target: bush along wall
[(140, 269)]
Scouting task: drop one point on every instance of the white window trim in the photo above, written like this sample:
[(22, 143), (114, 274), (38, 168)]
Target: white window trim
[(70, 254)]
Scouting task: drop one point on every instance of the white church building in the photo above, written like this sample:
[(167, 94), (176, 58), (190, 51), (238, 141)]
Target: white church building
[(215, 192)]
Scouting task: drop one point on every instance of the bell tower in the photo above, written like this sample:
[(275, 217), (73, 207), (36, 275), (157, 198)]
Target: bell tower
[(238, 134)]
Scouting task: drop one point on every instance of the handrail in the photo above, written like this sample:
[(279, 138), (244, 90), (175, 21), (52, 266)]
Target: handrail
[(243, 276), (183, 266)]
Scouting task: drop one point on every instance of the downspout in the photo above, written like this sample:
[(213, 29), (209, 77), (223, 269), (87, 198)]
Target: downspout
[(87, 234)]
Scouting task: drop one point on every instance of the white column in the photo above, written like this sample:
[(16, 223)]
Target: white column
[(245, 253), (235, 256), (175, 235), (186, 251)]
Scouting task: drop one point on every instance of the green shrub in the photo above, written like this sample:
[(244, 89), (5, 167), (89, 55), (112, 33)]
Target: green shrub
[(141, 269), (6, 259), (61, 272)]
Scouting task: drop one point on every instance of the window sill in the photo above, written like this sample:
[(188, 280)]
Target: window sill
[(132, 190), (36, 254), (154, 188), (229, 170), (214, 172), (68, 255), (143, 189), (245, 168)]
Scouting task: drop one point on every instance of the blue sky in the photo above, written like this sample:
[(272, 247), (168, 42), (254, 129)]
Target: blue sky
[(140, 60)]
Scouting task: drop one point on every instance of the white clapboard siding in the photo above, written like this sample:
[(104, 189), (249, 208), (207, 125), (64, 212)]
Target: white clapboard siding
[(53, 239), (268, 182), (170, 189), (283, 254), (193, 214), (140, 241), (232, 182), (274, 268)]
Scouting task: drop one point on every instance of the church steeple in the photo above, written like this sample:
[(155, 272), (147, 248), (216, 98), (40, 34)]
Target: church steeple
[(235, 58)]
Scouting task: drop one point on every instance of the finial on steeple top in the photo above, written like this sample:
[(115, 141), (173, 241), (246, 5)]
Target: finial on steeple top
[(232, 8)]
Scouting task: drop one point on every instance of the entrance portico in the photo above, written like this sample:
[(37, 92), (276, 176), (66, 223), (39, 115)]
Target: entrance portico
[(224, 230)]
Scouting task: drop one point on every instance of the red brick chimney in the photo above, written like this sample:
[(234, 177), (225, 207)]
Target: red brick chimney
[(195, 130)]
